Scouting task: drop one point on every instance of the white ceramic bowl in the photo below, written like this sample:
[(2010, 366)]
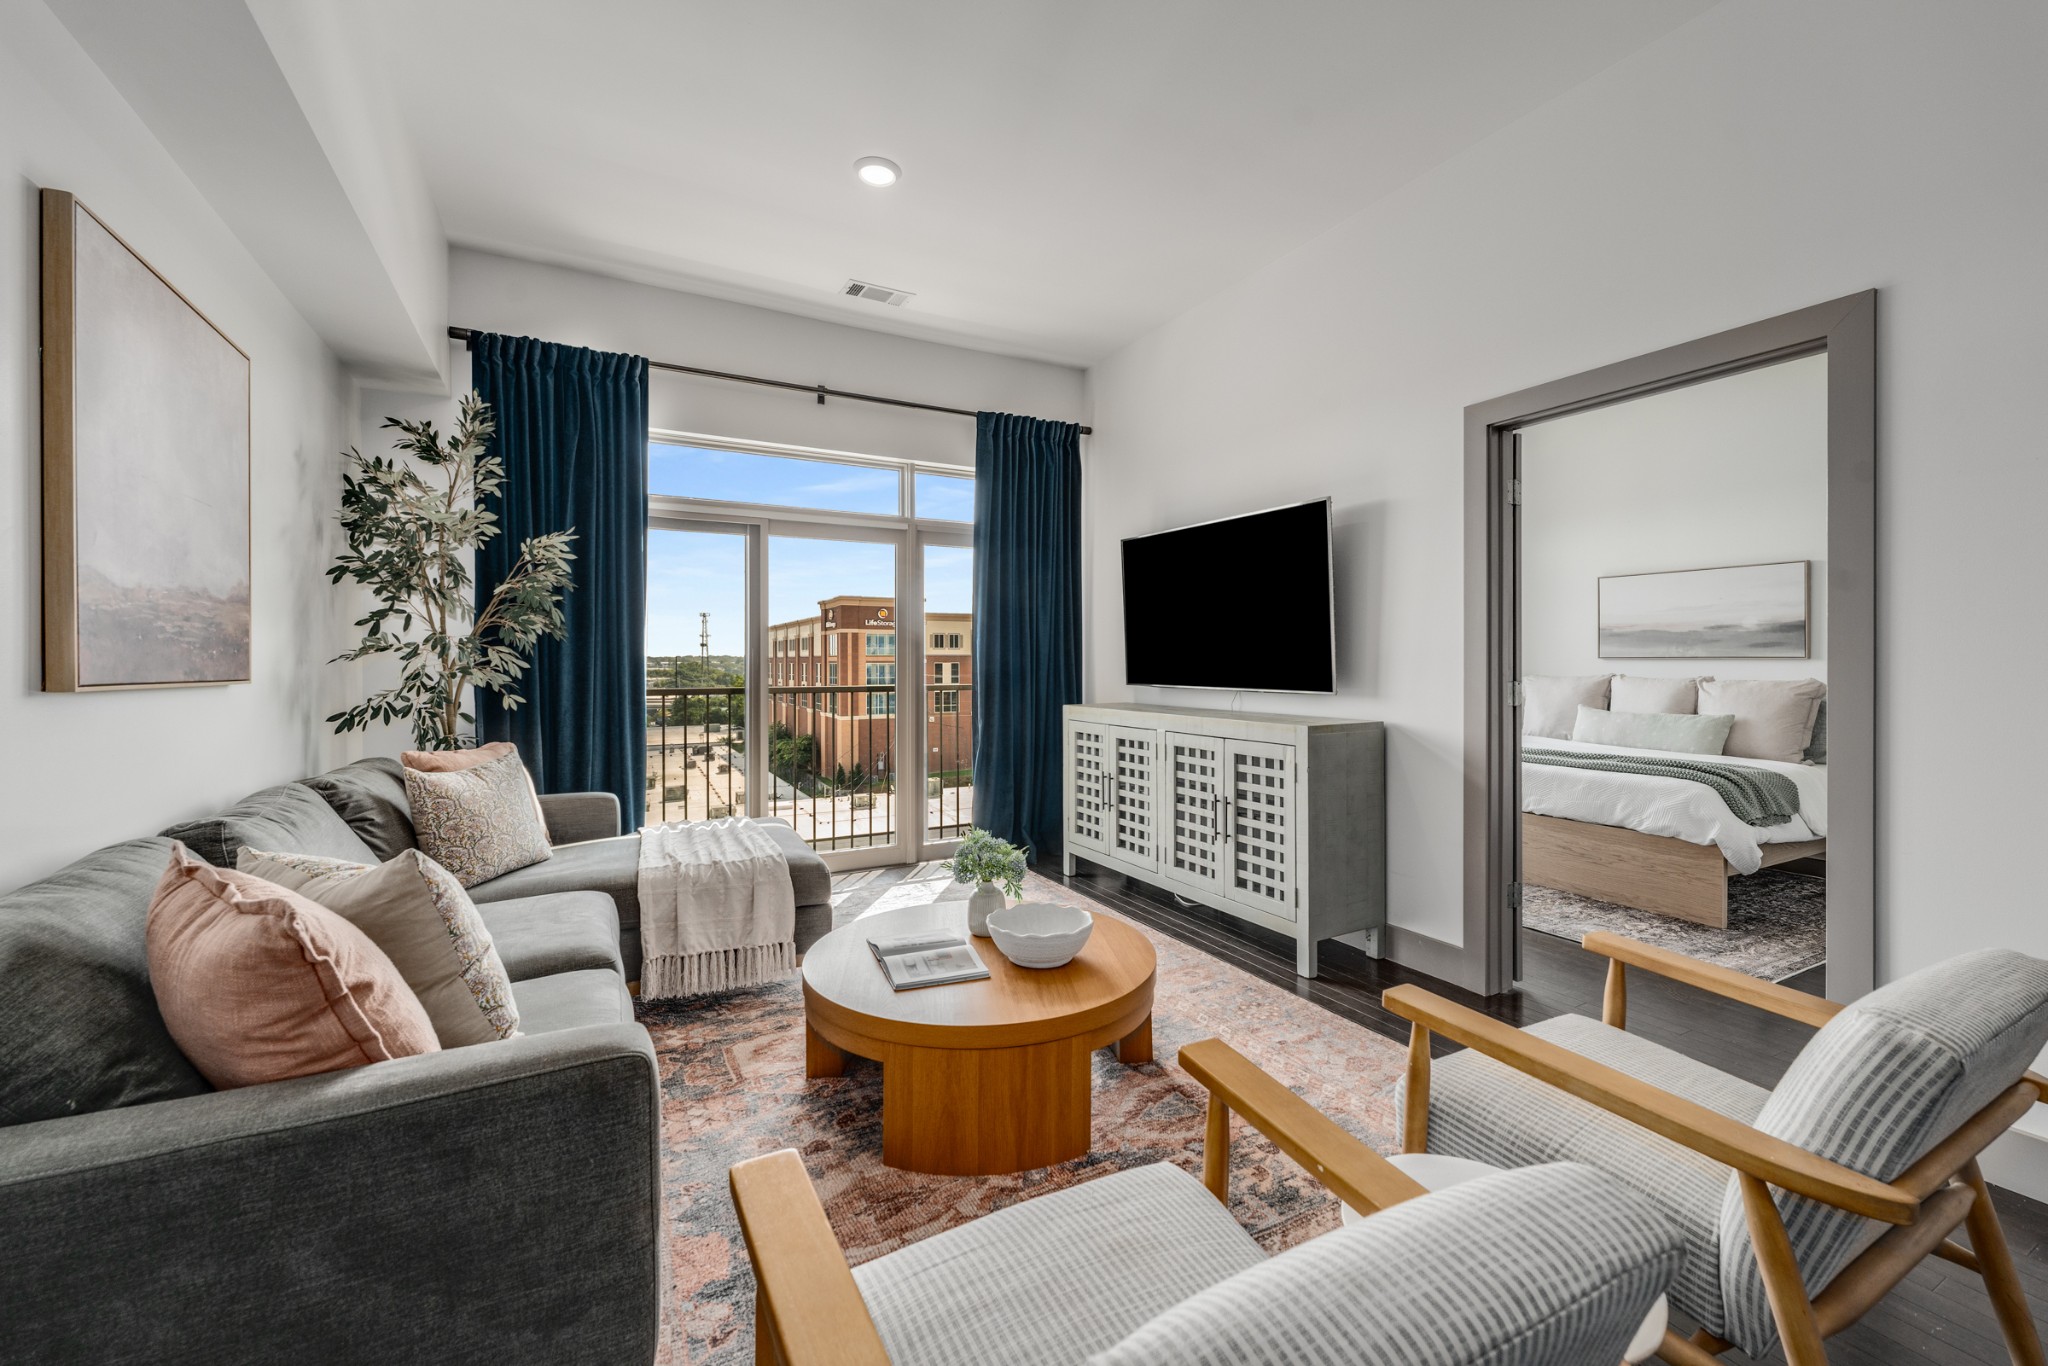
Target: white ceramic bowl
[(1038, 934)]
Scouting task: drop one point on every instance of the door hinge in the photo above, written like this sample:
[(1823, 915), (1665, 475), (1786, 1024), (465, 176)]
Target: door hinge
[(1515, 692), (1514, 493), (1515, 897)]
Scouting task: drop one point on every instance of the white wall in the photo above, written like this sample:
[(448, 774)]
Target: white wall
[(1769, 155), (84, 770), (498, 294), (1730, 472)]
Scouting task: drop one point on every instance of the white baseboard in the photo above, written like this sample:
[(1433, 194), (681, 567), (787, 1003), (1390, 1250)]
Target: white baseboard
[(2018, 1161)]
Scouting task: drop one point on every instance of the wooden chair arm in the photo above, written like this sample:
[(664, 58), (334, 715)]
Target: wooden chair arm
[(1736, 986), (807, 1308), (1682, 1121), (1354, 1173)]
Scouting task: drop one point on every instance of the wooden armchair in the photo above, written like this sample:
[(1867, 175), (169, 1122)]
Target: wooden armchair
[(1553, 1266), (1803, 1206)]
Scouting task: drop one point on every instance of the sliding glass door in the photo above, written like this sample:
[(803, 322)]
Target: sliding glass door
[(832, 689), (948, 687), (810, 646), (696, 672)]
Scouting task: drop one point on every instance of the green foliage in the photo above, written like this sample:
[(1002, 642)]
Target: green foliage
[(984, 858), (410, 539), (792, 757)]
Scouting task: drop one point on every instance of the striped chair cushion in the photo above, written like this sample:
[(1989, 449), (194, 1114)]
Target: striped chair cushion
[(1549, 1266), (1048, 1281), (1487, 1111), (1874, 1090)]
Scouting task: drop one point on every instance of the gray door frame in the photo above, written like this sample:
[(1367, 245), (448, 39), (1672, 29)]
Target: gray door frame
[(1846, 329)]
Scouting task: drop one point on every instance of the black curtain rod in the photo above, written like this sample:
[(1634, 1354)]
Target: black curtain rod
[(463, 334)]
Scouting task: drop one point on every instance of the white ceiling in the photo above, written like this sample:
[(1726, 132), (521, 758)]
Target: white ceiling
[(1075, 171)]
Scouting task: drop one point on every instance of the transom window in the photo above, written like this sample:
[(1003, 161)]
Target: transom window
[(715, 474)]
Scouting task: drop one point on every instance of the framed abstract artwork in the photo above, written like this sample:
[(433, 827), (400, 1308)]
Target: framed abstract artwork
[(145, 472), (1744, 611)]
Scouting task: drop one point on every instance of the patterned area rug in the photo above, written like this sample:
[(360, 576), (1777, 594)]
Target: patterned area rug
[(1777, 923), (734, 1086)]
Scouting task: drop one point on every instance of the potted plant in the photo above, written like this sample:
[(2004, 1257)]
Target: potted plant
[(989, 862), (410, 543)]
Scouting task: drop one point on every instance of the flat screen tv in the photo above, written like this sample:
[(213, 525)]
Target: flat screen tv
[(1242, 604)]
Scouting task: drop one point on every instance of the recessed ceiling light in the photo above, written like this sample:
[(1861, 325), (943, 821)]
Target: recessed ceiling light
[(879, 172)]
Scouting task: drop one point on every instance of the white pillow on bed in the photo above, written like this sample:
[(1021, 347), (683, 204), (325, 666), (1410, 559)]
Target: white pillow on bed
[(1672, 696), (1677, 732), (1551, 702), (1773, 716)]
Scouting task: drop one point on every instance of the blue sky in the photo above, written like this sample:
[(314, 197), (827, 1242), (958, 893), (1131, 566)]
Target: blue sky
[(695, 571), (792, 482)]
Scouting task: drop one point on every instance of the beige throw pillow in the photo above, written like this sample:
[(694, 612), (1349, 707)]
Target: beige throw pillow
[(414, 910), (1551, 702), (478, 823), (462, 760), (1773, 716), (1666, 696), (257, 983)]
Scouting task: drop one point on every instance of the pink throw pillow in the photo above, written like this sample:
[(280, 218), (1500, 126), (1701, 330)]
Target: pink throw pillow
[(455, 760), (256, 983)]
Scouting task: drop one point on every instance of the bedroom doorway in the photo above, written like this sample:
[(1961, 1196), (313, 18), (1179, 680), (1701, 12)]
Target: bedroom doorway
[(1670, 672), (1672, 644)]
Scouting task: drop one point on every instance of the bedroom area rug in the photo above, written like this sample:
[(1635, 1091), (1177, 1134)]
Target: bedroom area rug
[(1777, 923), (733, 1086)]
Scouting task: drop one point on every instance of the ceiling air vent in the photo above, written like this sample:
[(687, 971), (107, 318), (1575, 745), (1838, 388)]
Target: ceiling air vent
[(881, 294)]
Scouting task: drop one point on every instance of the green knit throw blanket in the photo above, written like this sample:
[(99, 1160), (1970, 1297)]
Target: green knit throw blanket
[(1756, 796)]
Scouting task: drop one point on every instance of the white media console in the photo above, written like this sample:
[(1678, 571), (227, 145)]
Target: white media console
[(1278, 820)]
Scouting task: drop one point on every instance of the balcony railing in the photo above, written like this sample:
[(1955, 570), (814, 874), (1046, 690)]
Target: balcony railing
[(696, 753), (831, 759)]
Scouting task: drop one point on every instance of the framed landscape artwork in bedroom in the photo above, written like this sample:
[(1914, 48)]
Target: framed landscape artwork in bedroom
[(1744, 611), (145, 472)]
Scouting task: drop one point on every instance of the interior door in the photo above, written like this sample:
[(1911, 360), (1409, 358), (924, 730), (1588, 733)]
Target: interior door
[(1262, 869), (1514, 852)]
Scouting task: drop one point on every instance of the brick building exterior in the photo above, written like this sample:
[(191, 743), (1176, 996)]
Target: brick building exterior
[(825, 676)]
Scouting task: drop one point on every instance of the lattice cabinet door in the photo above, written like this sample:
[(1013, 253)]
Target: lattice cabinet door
[(1262, 822), (1193, 848), (1134, 759), (1092, 804)]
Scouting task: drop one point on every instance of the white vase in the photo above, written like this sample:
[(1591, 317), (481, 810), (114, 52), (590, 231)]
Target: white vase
[(984, 903)]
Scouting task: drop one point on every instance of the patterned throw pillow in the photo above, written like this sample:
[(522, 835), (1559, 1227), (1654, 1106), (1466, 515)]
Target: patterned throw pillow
[(478, 823), (414, 910), (258, 983), (462, 760)]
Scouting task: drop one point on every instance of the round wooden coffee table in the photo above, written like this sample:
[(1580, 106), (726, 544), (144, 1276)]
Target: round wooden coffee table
[(983, 1077)]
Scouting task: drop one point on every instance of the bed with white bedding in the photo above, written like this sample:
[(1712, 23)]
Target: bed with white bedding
[(1672, 807), (1662, 844)]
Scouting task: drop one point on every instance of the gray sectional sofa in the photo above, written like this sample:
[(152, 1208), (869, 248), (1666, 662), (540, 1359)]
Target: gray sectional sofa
[(496, 1203), (590, 853)]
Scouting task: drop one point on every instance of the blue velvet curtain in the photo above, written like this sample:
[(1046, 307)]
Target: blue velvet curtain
[(1027, 621), (572, 431)]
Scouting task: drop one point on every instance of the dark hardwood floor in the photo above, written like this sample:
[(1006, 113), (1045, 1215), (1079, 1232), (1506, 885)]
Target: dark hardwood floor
[(1938, 1317)]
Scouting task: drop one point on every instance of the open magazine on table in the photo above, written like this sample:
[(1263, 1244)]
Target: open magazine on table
[(929, 958)]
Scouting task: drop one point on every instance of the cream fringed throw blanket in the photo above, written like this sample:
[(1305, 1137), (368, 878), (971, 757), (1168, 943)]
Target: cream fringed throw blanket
[(716, 908)]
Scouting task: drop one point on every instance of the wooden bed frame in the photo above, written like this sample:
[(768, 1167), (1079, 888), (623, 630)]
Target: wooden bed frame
[(1649, 872)]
